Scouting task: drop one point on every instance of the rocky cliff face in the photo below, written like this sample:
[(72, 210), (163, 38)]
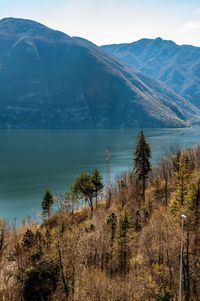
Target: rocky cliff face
[(50, 80)]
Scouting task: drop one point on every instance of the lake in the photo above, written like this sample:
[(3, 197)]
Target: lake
[(32, 161)]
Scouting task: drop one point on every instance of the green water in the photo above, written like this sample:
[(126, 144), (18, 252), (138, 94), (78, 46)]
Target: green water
[(33, 160)]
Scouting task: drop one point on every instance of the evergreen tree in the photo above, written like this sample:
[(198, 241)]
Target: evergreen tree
[(47, 203), (142, 165), (112, 221), (88, 186), (182, 179), (41, 281), (111, 230), (84, 187), (97, 181), (182, 183), (28, 239), (124, 256)]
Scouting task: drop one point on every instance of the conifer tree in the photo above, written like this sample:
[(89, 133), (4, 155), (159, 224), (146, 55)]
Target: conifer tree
[(112, 228), (88, 186), (182, 183), (124, 225), (47, 203), (112, 221), (166, 168), (28, 239), (182, 179), (84, 187), (142, 165), (97, 181)]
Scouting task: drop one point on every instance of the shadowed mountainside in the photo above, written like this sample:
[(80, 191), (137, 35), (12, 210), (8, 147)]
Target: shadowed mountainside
[(50, 80)]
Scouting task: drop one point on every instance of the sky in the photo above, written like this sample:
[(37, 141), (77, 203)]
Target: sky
[(113, 21)]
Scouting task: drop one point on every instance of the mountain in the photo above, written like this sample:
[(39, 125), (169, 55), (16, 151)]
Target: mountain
[(176, 66), (51, 80)]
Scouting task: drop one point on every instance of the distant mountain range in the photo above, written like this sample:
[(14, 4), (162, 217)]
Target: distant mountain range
[(176, 66), (51, 80)]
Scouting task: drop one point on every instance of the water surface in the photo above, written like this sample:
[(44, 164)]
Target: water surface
[(33, 160)]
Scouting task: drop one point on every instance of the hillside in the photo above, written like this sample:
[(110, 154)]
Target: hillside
[(51, 80), (176, 66), (125, 249)]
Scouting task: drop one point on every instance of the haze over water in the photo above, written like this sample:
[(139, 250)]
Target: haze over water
[(32, 161)]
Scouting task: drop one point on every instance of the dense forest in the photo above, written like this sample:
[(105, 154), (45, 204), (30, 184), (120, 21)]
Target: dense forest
[(122, 245)]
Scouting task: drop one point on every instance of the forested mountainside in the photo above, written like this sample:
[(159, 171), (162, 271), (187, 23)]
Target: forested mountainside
[(176, 66), (51, 80), (122, 246)]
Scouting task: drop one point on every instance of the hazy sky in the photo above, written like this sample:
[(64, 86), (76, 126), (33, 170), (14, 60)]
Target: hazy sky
[(113, 21)]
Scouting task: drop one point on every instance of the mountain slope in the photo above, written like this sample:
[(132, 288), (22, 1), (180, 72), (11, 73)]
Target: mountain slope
[(50, 80), (176, 66)]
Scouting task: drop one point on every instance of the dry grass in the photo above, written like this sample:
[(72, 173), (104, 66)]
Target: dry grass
[(102, 261)]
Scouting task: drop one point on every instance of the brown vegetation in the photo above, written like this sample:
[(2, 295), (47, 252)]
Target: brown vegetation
[(127, 250)]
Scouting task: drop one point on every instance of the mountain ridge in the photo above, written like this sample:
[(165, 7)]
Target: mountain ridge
[(51, 80), (177, 66)]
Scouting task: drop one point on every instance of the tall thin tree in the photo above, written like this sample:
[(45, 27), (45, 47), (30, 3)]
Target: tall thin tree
[(97, 181), (47, 203), (142, 165)]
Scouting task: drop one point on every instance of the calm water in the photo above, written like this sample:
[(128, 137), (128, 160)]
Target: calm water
[(33, 160)]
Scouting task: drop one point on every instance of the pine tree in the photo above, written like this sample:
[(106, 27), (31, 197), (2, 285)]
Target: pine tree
[(47, 203), (182, 183), (111, 228), (112, 221), (85, 188), (124, 225), (97, 181), (28, 239), (182, 179), (142, 165), (88, 186)]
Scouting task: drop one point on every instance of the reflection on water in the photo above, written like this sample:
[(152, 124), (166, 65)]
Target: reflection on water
[(33, 160)]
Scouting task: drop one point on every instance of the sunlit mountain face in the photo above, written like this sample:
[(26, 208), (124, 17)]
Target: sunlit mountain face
[(176, 66)]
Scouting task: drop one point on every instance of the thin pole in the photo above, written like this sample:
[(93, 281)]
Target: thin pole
[(181, 261)]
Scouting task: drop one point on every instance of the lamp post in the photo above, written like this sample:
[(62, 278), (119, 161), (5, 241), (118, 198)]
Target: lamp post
[(181, 257)]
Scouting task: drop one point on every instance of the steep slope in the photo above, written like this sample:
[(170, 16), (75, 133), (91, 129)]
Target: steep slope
[(50, 80), (176, 66)]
